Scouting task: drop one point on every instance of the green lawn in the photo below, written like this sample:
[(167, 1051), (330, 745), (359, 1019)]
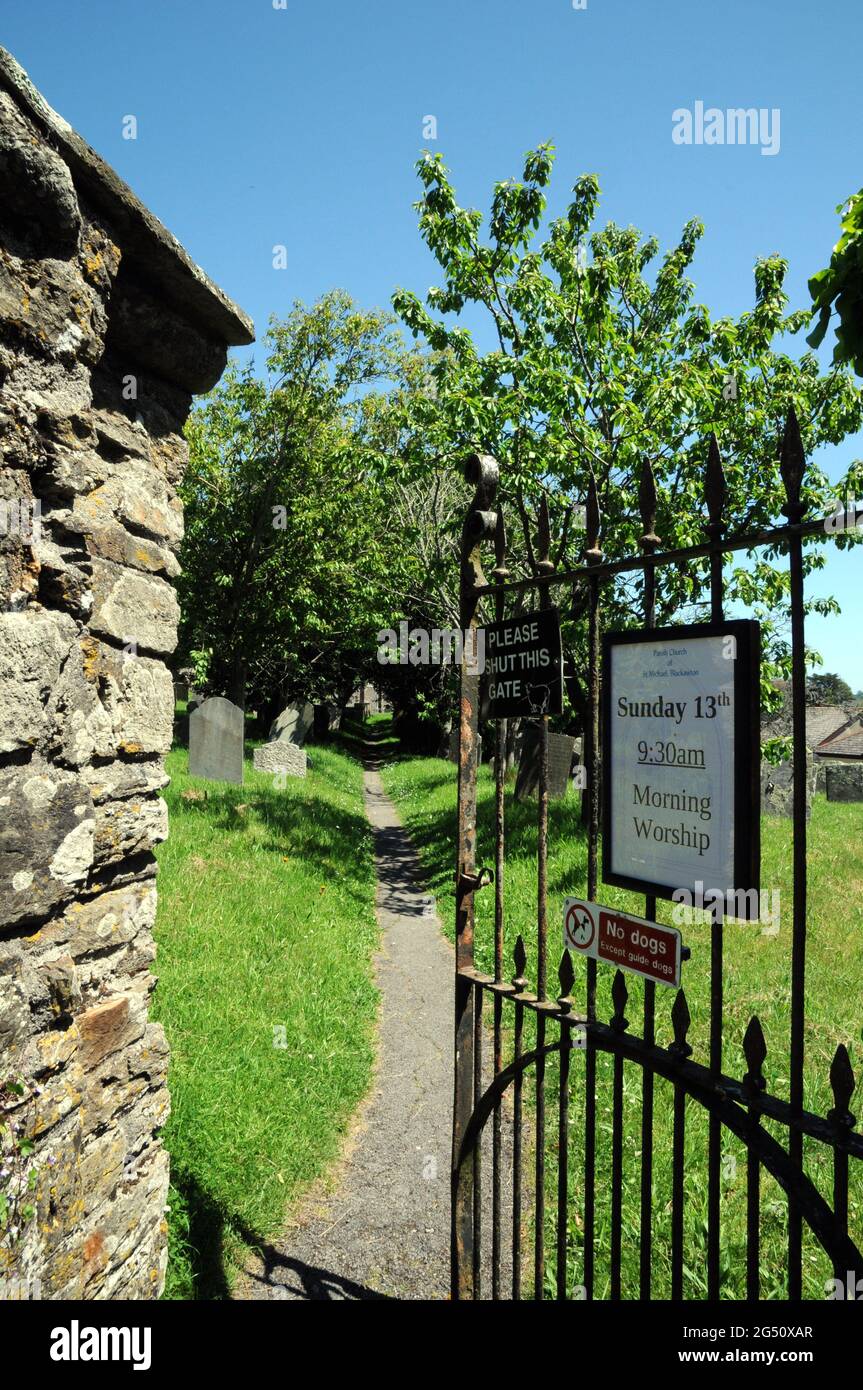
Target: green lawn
[(265, 936), (757, 974)]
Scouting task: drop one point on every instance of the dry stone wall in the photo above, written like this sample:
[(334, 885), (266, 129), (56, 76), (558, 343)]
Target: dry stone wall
[(106, 331)]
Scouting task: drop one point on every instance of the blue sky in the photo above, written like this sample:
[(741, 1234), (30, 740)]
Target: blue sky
[(301, 126)]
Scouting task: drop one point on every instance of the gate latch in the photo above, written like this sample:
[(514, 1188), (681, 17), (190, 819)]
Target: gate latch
[(471, 883)]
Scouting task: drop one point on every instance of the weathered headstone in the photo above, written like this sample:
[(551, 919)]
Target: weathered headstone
[(293, 724), (845, 782), (777, 787), (216, 731), (560, 752), (281, 756)]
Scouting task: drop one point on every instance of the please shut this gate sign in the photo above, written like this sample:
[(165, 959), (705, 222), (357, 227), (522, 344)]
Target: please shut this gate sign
[(681, 759), (523, 666)]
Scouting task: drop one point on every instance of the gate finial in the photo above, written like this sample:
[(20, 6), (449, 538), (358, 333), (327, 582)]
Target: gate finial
[(842, 1084), (619, 996), (792, 465), (566, 976), (680, 1020), (714, 487), (755, 1051), (500, 571), (593, 520), (519, 960), (544, 564), (647, 506)]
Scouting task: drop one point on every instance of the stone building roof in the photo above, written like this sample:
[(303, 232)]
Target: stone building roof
[(845, 742), (822, 722)]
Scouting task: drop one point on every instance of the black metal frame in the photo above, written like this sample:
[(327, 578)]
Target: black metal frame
[(739, 1106), (747, 749)]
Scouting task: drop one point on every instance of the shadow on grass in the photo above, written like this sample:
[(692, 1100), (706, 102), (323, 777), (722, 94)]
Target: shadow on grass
[(201, 1253), (435, 834), (335, 840), (374, 743)]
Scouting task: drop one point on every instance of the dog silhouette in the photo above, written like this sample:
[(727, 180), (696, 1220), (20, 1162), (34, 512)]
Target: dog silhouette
[(537, 698)]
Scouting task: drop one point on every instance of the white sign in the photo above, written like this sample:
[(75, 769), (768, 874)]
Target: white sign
[(672, 793)]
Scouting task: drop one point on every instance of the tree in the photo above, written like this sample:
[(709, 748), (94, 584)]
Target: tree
[(825, 688), (841, 283), (289, 564), (597, 368)]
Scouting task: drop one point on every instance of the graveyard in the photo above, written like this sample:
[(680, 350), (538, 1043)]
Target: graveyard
[(431, 695)]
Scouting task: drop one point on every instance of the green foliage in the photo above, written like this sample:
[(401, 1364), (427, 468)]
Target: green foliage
[(840, 286), (598, 366), (289, 565), (825, 688)]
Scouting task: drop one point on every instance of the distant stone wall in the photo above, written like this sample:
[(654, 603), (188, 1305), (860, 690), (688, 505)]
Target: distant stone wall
[(844, 782), (106, 330)]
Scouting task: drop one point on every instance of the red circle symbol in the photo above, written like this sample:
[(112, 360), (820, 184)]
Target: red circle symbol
[(580, 927)]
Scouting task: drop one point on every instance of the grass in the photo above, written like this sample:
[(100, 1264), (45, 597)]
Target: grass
[(757, 975), (265, 936)]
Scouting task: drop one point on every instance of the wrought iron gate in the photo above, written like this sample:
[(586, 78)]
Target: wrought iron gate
[(556, 1025)]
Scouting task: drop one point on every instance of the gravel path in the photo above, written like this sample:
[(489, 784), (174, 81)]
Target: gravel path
[(384, 1231)]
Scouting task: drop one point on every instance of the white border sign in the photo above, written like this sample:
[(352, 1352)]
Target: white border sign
[(680, 759), (630, 943)]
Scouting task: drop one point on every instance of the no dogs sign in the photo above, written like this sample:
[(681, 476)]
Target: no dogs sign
[(632, 943)]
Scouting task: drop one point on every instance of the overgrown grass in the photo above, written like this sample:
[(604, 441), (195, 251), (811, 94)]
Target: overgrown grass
[(265, 936), (757, 981)]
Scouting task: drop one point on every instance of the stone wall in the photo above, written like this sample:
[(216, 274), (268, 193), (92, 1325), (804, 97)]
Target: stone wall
[(106, 330), (844, 781)]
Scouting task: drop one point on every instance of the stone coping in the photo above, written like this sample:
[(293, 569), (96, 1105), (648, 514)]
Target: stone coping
[(146, 242)]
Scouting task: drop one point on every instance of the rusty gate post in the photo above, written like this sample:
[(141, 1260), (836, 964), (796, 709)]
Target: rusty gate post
[(480, 524)]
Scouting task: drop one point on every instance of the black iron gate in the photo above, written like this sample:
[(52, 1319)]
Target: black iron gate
[(541, 1032)]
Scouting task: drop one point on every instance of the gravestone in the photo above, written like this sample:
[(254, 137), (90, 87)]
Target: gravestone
[(777, 787), (216, 730), (560, 752), (845, 782), (279, 755), (293, 724)]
